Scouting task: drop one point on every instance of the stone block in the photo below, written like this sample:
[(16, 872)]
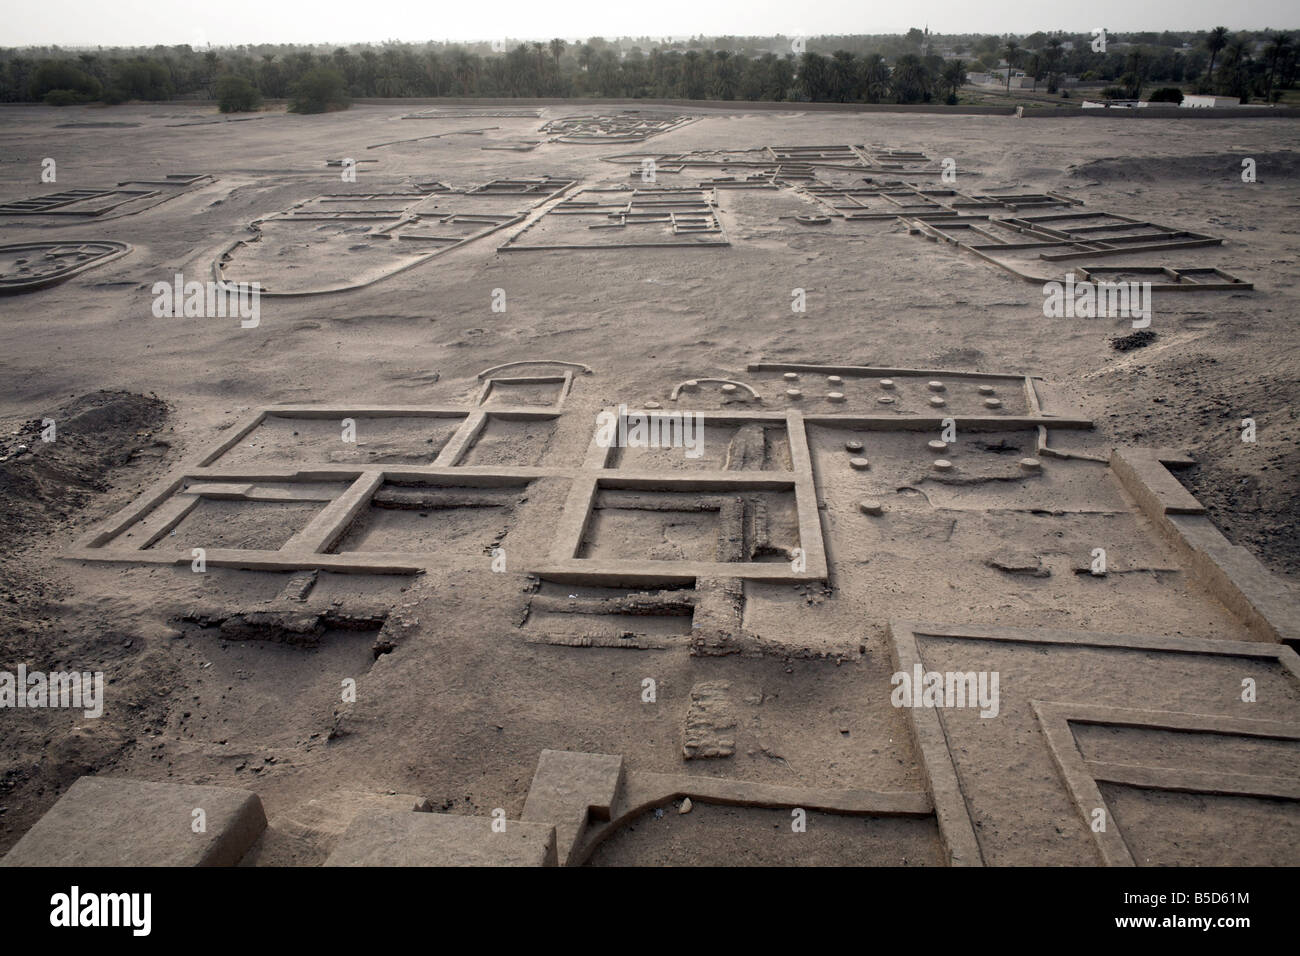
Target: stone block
[(112, 821)]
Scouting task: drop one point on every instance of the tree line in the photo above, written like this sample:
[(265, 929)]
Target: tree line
[(916, 67)]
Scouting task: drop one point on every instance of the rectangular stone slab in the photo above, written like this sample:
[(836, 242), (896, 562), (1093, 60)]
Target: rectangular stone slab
[(113, 821), (386, 838), (568, 789), (1156, 490)]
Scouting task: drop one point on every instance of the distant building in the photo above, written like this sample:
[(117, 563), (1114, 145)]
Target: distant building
[(1199, 102), (1019, 81)]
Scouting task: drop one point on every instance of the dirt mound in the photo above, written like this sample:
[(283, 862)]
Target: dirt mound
[(1200, 168), (1251, 490), (47, 470), (42, 484)]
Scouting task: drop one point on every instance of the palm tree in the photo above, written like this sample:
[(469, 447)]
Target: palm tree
[(781, 77), (369, 59), (1012, 53), (557, 49), (841, 75), (465, 69), (814, 76), (952, 78), (1053, 58), (910, 79), (1214, 42), (1134, 73), (692, 82), (873, 77), (211, 65), (1234, 73), (1276, 51), (270, 78)]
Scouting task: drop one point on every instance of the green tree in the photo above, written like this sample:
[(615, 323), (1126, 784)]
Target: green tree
[(1276, 52), (1010, 52), (951, 80), (140, 79), (1215, 42), (1135, 69), (319, 90), (841, 76), (235, 94), (270, 78), (814, 77), (1052, 62), (1034, 67), (873, 78), (1235, 71), (781, 78), (76, 85), (910, 79)]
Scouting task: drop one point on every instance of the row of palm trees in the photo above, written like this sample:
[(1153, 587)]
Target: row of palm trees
[(1233, 76), (558, 69), (550, 69)]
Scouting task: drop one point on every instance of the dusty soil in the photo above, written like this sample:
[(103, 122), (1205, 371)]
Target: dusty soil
[(459, 710)]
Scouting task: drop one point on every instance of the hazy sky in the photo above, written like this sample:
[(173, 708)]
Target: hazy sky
[(223, 22)]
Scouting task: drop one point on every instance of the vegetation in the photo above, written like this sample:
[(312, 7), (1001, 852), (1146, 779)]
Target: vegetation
[(237, 94), (62, 84), (319, 90), (62, 98), (917, 67)]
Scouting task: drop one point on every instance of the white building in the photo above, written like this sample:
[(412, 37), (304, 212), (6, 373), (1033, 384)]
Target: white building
[(1197, 102)]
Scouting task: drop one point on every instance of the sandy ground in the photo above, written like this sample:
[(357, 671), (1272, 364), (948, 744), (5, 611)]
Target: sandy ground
[(459, 711)]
